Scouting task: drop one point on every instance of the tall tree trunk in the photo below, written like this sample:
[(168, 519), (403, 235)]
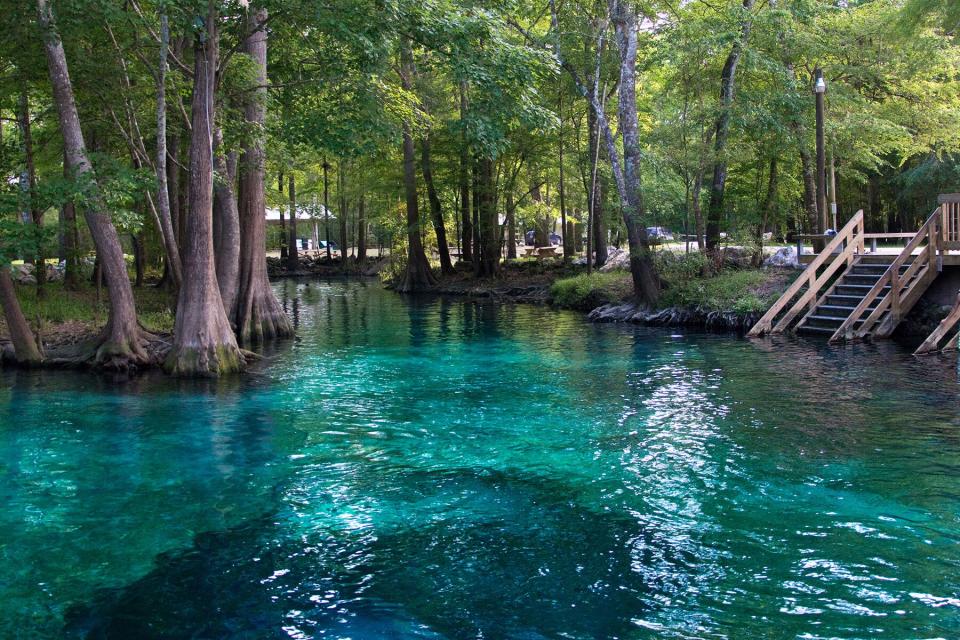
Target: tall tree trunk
[(203, 341), (25, 348), (30, 186), (489, 229), (598, 221), (171, 249), (466, 226), (293, 259), (511, 226), (418, 275), (475, 214), (71, 241), (722, 131), (226, 218), (259, 315), (567, 249), (119, 346), (436, 210), (342, 220), (361, 229), (769, 208), (139, 259), (809, 191), (173, 186), (283, 224), (646, 283)]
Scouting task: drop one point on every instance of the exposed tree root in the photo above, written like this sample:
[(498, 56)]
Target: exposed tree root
[(207, 361)]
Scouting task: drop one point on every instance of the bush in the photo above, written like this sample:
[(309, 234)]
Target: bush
[(738, 291), (678, 268), (587, 292)]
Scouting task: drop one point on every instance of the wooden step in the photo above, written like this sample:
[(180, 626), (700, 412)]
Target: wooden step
[(839, 299), (834, 310), (859, 290), (821, 330)]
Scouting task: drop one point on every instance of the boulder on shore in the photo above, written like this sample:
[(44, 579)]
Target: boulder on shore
[(675, 317), (784, 257)]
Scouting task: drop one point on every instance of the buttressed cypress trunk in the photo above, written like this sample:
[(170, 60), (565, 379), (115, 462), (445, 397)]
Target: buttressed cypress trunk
[(418, 275), (203, 341), (119, 346), (226, 238), (25, 348), (259, 315)]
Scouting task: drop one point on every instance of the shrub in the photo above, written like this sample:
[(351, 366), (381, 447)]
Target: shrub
[(586, 292), (729, 290)]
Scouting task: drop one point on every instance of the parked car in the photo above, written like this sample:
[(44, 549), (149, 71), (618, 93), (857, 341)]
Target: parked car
[(659, 235), (322, 248), (530, 238)]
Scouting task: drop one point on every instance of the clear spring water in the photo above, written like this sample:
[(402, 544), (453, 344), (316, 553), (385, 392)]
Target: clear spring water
[(442, 469)]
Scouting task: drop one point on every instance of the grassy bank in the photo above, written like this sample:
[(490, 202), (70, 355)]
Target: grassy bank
[(64, 314), (746, 290)]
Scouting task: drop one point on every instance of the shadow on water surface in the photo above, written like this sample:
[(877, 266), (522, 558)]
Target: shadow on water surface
[(512, 557)]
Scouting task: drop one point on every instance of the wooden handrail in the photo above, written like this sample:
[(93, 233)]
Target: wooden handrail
[(893, 277), (852, 232)]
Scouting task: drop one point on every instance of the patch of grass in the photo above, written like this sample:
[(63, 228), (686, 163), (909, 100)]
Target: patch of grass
[(742, 291), (59, 306), (586, 292)]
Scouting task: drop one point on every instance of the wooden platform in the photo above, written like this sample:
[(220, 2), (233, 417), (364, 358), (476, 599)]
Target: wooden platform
[(849, 293)]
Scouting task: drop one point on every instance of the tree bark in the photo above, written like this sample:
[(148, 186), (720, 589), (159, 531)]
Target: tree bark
[(119, 346), (436, 210), (293, 259), (171, 249), (598, 223), (30, 187), (769, 208), (563, 200), (418, 275), (203, 342), (259, 315), (466, 226), (25, 347), (71, 241), (226, 223), (342, 220), (646, 283), (809, 191), (511, 226), (489, 229), (722, 131), (361, 230)]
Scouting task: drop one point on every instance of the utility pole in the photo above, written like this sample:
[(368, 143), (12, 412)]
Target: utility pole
[(820, 88), (833, 188), (326, 207)]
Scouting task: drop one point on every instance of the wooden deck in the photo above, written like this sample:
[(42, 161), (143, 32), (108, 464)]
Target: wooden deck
[(849, 292)]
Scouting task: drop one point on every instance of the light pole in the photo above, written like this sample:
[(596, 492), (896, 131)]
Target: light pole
[(326, 208), (820, 88)]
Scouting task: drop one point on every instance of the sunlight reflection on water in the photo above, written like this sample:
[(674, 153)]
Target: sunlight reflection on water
[(429, 468)]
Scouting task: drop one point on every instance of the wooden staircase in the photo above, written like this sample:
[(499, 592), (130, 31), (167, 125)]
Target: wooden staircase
[(846, 294), (843, 297)]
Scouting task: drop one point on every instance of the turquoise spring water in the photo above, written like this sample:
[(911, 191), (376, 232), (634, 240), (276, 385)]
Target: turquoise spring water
[(442, 469)]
